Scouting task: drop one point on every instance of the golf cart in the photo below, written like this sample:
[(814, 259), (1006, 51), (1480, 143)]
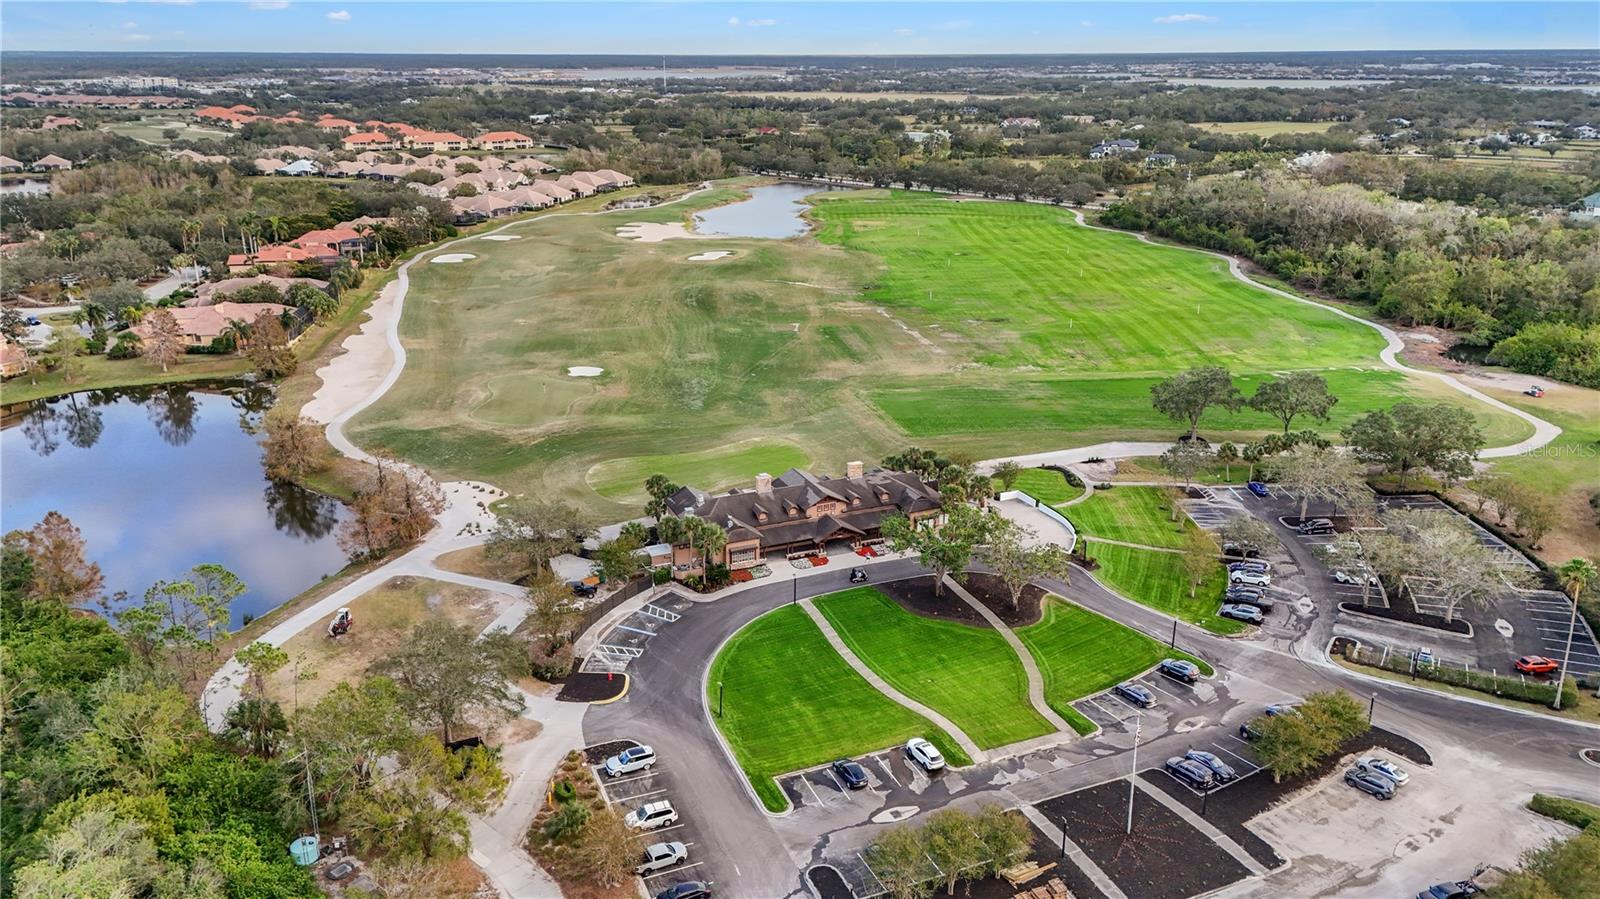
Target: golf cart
[(858, 575), (1535, 391)]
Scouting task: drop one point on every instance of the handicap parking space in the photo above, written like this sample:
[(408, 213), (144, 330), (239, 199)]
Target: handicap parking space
[(630, 637)]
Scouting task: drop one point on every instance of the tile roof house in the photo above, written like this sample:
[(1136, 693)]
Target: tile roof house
[(503, 140), (334, 123), (199, 158), (202, 324), (437, 141), (52, 122), (533, 165), (347, 241), (579, 187), (51, 163), (799, 512), (369, 140), (553, 190), (13, 359), (207, 294), (7, 164), (281, 254)]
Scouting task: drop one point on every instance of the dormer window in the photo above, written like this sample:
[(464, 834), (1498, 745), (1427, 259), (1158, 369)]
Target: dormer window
[(761, 516), (855, 500)]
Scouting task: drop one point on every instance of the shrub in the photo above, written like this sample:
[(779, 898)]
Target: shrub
[(568, 820), (1578, 814), (550, 664), (564, 791), (661, 575), (1485, 682), (126, 347)]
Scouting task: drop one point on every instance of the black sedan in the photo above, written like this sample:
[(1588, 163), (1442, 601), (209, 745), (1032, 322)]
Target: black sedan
[(849, 773), (1191, 772), (1222, 770)]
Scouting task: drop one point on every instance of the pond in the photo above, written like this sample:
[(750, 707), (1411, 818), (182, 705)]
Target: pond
[(24, 187), (161, 479), (774, 211)]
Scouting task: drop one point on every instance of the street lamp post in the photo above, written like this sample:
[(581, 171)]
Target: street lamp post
[(1372, 707), (1063, 836), (1173, 643), (719, 699), (1204, 795)]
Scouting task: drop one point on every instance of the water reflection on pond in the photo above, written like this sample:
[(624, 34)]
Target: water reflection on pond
[(163, 478), (774, 211)]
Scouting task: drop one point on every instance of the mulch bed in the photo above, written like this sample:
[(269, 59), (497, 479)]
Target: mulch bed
[(1403, 610), (1164, 857), (599, 752), (592, 687), (915, 595), (1045, 850), (1229, 809), (992, 592), (829, 883)]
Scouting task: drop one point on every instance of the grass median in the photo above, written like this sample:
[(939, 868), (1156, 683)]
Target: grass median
[(788, 702), (1132, 514), (969, 674), (1157, 580), (1080, 653)]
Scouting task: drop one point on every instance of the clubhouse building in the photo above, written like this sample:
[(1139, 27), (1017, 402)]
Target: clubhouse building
[(799, 514)]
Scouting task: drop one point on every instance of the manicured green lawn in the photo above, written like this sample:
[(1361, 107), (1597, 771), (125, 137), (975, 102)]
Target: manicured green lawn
[(731, 466), (790, 702), (1132, 514), (1046, 486), (1156, 579), (969, 674), (1080, 653)]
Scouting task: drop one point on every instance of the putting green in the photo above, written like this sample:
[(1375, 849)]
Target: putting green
[(969, 674), (788, 702), (1080, 653)]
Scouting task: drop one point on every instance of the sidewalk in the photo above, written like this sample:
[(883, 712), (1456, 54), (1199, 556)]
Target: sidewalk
[(1029, 666)]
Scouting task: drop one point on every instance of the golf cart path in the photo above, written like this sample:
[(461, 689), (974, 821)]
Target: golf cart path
[(1029, 666), (1154, 549), (883, 686), (1543, 431)]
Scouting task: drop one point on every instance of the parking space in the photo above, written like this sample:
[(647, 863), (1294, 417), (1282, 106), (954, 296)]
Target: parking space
[(821, 787), (1509, 556), (1173, 700), (630, 637), (654, 784), (1232, 751), (1551, 613)]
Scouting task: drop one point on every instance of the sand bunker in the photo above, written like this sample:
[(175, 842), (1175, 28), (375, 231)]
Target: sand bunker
[(502, 237), (656, 232), (584, 371), (447, 258), (710, 255)]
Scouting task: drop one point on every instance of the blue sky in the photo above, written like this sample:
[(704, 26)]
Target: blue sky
[(791, 27)]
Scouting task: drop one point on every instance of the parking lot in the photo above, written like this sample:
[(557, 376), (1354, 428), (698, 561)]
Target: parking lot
[(1550, 613), (1179, 706), (887, 769), (628, 638), (1232, 750), (653, 784)]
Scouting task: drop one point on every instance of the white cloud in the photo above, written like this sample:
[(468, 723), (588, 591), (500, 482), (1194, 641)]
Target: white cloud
[(130, 25), (734, 21), (135, 37), (269, 4), (904, 32), (953, 25), (760, 23), (1184, 17), (339, 15), (1086, 24)]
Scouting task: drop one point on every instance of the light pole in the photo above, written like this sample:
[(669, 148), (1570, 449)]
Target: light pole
[(1138, 723), (1063, 836), (1173, 642), (1372, 707), (719, 699), (794, 595)]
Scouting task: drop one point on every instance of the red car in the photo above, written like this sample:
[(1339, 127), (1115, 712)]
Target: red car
[(1535, 665)]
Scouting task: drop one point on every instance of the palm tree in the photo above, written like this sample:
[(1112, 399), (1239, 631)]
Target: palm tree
[(238, 331), (277, 226), (189, 231), (1575, 577)]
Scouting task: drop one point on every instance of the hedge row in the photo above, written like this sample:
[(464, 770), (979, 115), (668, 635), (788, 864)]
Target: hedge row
[(1509, 687), (1578, 814)]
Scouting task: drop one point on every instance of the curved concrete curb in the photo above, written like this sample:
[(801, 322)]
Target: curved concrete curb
[(627, 683)]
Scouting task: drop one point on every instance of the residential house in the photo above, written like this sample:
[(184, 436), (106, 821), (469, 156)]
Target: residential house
[(800, 513), (200, 325), (1311, 161), (535, 166), (211, 292), (1161, 160), (553, 190), (1586, 132), (7, 164), (13, 359), (369, 140), (51, 163), (299, 168), (268, 166), (199, 158), (1116, 147), (768, 130), (1079, 119), (334, 123), (503, 140), (52, 122), (593, 179), (1020, 122), (1589, 206), (437, 141), (282, 254), (581, 188), (346, 241)]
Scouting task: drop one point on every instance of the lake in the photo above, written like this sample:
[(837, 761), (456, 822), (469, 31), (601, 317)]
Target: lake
[(774, 211), (25, 186), (161, 479)]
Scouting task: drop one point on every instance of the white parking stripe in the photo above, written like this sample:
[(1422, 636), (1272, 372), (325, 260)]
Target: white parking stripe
[(807, 782), (839, 784), (888, 768), (1159, 690), (1253, 765), (675, 869)]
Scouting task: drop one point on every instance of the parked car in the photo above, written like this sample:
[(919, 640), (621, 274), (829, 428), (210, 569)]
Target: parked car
[(1376, 784), (1261, 565), (1253, 578), (1238, 611), (1191, 772), (1180, 670), (1377, 764), (1135, 694), (1314, 526), (689, 889), (33, 321), (1259, 489), (630, 760), (1536, 665), (1246, 590), (1354, 580), (849, 773), (1282, 708), (858, 575), (1461, 889), (1241, 550), (1248, 731), (925, 754), (1259, 600), (659, 856), (1219, 769), (652, 815)]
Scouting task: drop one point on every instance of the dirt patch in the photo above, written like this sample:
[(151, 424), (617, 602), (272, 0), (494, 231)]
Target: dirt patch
[(915, 595), (599, 752), (592, 687), (1163, 856), (475, 562), (1044, 851)]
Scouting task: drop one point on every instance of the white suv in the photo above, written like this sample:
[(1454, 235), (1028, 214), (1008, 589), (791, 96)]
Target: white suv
[(658, 856), (925, 754), (652, 815), (1253, 578), (630, 760)]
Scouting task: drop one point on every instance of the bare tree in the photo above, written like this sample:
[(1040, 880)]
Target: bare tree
[(163, 339), (292, 448), (1443, 548), (1322, 474)]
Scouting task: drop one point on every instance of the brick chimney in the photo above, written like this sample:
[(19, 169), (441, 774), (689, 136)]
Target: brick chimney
[(764, 483), (852, 469)]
